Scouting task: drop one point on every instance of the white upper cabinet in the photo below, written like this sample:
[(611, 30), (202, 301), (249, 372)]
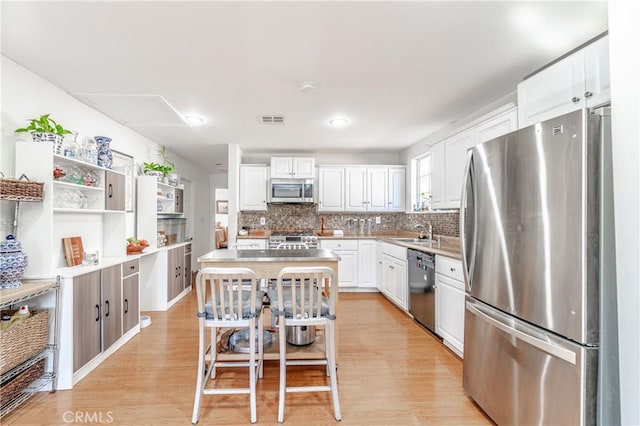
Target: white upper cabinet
[(577, 81), (356, 189), (377, 189), (292, 167), (449, 157), (331, 189), (496, 126), (455, 155), (395, 189), (437, 176), (253, 187)]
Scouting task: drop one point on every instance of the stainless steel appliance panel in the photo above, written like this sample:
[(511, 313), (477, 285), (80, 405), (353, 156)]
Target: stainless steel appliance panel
[(530, 225), (534, 377), (422, 291), (291, 191)]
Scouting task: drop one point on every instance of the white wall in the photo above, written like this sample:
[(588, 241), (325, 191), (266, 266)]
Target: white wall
[(624, 47), (26, 95)]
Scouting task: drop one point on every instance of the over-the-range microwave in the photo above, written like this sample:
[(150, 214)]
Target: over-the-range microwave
[(291, 191)]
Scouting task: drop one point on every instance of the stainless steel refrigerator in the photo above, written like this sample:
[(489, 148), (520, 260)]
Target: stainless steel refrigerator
[(536, 227)]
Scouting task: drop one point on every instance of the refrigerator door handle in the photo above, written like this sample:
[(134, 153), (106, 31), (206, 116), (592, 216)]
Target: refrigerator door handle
[(547, 347), (463, 202)]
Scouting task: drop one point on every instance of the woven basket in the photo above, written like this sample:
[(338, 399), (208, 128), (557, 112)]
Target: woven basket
[(23, 340), (21, 189), (13, 387)]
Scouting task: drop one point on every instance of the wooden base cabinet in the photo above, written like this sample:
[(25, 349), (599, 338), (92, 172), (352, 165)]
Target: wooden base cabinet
[(175, 272), (187, 266), (87, 312), (130, 295), (97, 313)]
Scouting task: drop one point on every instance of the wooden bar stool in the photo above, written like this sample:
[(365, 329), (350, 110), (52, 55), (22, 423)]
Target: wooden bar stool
[(227, 298), (301, 302)]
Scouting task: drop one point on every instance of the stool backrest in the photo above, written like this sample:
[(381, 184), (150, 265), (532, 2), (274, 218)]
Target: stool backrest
[(308, 287), (230, 291)]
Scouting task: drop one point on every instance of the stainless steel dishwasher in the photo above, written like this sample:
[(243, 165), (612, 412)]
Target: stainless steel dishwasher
[(422, 290)]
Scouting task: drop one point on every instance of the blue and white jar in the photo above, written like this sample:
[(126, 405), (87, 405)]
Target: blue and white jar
[(105, 157), (13, 263)]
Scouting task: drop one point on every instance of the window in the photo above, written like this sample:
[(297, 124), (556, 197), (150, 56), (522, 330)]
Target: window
[(422, 196)]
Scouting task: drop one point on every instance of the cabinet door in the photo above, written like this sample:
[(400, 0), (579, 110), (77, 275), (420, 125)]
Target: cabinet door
[(379, 267), (281, 167), (130, 302), (175, 274), (331, 189), (450, 312), (347, 268), (87, 312), (377, 188), (303, 167), (553, 91), (179, 201), (388, 276), (598, 80), (356, 189), (114, 190), (437, 176), (400, 283), (496, 126), (187, 270), (111, 305), (253, 188), (367, 264), (455, 156), (396, 192)]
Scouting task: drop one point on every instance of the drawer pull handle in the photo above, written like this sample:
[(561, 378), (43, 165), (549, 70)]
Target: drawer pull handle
[(107, 303), (126, 306), (97, 312)]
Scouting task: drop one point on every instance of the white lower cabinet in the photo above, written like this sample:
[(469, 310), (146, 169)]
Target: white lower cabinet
[(450, 300), (394, 274), (348, 265), (367, 264)]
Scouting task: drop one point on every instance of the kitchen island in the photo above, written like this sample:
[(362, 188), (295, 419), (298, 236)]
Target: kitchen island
[(267, 264)]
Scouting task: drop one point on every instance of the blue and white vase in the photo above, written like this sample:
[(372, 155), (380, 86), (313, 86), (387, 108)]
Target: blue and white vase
[(13, 263), (105, 157)]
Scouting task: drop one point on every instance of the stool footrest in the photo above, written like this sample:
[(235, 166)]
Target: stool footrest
[(308, 389), (307, 362), (230, 391)]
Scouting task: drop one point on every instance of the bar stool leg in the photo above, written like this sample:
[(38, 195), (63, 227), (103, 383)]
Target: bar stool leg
[(283, 367)]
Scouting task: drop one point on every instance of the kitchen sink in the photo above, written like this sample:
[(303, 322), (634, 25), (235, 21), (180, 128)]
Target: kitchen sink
[(413, 240)]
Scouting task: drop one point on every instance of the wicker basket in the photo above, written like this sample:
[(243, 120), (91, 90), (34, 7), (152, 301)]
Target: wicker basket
[(13, 387), (23, 340), (21, 189)]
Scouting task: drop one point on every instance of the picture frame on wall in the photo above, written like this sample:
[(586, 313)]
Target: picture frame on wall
[(124, 163), (222, 207)]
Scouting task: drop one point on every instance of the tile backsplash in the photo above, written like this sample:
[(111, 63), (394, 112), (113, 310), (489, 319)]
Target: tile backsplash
[(306, 216)]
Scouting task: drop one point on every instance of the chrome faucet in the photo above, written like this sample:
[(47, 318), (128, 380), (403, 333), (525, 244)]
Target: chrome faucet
[(429, 231), (420, 231)]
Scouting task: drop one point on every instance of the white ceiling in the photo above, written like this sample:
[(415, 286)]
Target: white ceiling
[(398, 70)]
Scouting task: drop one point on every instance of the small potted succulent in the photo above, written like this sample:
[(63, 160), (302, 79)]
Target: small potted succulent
[(161, 170), (45, 129)]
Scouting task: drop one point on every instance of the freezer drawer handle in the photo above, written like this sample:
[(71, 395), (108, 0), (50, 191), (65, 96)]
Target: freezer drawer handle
[(547, 347)]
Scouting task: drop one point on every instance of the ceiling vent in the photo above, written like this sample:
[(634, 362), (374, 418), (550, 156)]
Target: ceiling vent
[(276, 120)]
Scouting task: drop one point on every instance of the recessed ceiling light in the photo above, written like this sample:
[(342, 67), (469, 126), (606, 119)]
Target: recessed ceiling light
[(194, 120), (308, 86), (338, 122)]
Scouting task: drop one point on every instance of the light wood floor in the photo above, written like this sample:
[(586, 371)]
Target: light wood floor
[(391, 372)]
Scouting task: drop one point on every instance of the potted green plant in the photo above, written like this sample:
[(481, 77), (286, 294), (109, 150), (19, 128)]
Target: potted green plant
[(159, 169), (46, 129)]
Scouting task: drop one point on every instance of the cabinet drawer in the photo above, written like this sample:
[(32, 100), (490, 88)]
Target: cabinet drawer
[(396, 251), (450, 268), (131, 267), (339, 244)]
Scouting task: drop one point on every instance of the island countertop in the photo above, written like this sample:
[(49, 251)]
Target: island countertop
[(269, 255)]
